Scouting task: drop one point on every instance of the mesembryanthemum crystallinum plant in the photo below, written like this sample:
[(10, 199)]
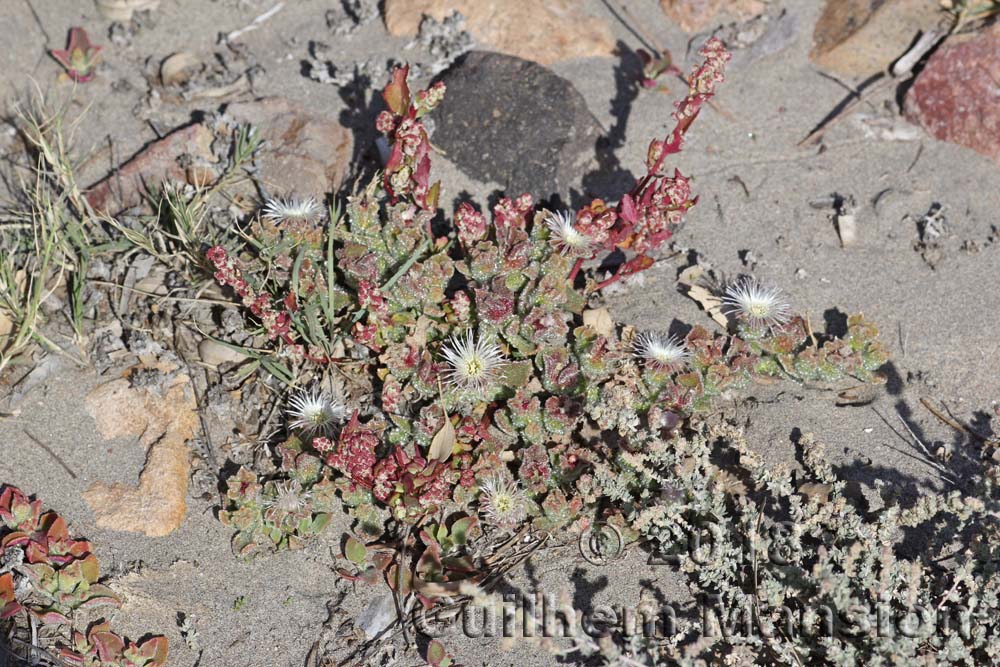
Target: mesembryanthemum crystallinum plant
[(474, 400)]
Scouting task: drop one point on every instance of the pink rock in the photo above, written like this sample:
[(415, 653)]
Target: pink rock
[(545, 32), (305, 152), (956, 97), (695, 15), (858, 38), (157, 162)]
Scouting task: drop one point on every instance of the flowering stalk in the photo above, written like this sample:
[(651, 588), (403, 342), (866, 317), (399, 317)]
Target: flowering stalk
[(645, 216), (407, 171), (277, 323)]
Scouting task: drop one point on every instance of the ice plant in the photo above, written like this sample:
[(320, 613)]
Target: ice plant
[(49, 576), (565, 236), (80, 57), (470, 352), (293, 208), (314, 412), (661, 351), (484, 388), (473, 364), (502, 502), (759, 306)]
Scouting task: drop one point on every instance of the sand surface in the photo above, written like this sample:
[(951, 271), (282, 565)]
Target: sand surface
[(755, 185)]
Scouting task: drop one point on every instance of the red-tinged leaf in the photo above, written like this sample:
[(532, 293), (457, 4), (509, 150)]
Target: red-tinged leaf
[(55, 527), (6, 587), (100, 601), (79, 57), (397, 93), (395, 159), (48, 616), (430, 561), (427, 538), (105, 594), (422, 174), (382, 560), (16, 539), (402, 587), (436, 653), (103, 626), (628, 211), (90, 569), (636, 264), (79, 39), (109, 645), (156, 649), (347, 575), (10, 609), (461, 529), (355, 551), (36, 553), (433, 195), (70, 657), (62, 57)]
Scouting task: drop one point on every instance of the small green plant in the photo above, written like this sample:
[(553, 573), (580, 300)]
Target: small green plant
[(49, 576), (80, 57), (100, 647)]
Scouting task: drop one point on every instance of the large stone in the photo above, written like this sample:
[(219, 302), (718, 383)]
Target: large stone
[(695, 15), (513, 122), (305, 153), (164, 420), (956, 97), (858, 38), (162, 160), (545, 32)]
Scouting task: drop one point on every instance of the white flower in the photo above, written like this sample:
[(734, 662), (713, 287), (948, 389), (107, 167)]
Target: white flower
[(315, 412), (665, 351), (279, 210), (759, 306), (473, 364), (565, 235), (502, 502)]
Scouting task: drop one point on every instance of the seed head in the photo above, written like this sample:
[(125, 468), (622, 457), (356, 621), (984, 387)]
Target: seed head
[(761, 307)]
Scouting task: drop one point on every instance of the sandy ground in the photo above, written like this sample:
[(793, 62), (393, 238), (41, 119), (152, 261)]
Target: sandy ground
[(756, 186)]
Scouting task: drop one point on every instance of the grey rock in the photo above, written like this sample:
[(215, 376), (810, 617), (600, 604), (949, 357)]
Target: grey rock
[(749, 41), (514, 122), (377, 616)]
